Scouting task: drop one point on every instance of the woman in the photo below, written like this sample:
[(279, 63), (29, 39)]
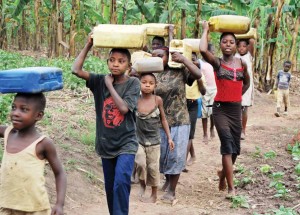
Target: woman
[(232, 80)]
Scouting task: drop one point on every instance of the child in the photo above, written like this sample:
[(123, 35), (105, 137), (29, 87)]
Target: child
[(232, 80), (22, 182), (149, 117), (282, 83), (192, 94), (208, 98), (245, 50), (157, 42), (171, 88), (115, 98)]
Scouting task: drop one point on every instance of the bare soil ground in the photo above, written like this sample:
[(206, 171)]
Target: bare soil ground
[(197, 191)]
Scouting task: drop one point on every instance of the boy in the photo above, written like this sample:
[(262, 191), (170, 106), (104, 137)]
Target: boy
[(157, 42), (115, 98), (22, 183), (245, 48), (282, 83)]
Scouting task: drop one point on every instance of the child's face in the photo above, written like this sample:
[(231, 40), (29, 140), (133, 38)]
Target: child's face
[(148, 84), (242, 48), (24, 113), (228, 45), (118, 63), (156, 44), (162, 54), (195, 60), (287, 67)]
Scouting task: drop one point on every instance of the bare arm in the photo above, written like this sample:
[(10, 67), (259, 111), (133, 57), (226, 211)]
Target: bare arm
[(164, 122), (201, 87), (246, 81), (2, 130), (276, 82), (251, 46), (192, 68), (50, 154), (78, 64), (208, 56), (120, 103)]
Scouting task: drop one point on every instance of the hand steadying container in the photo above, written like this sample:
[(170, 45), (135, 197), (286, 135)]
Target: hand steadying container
[(31, 80), (183, 48)]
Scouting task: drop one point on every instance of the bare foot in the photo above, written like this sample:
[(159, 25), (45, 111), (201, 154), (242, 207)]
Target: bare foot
[(205, 140), (222, 181), (151, 199), (212, 133), (169, 198), (165, 187), (191, 161), (231, 194), (142, 191)]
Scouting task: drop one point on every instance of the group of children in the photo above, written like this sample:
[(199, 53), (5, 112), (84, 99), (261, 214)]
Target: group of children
[(143, 122)]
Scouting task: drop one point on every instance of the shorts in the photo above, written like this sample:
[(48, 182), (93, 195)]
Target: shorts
[(192, 106), (228, 122), (173, 162), (208, 100), (5, 211), (283, 98), (147, 164)]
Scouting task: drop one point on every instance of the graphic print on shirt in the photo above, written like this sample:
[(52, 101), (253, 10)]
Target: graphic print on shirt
[(111, 115)]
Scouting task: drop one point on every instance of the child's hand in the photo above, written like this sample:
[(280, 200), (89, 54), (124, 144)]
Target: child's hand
[(171, 144), (57, 210), (177, 57), (205, 25), (109, 79), (90, 39)]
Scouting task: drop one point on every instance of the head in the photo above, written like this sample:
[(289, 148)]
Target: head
[(157, 42), (211, 48), (287, 65), (228, 43), (242, 46), (119, 61), (133, 73), (163, 53), (27, 109), (195, 59), (148, 83)]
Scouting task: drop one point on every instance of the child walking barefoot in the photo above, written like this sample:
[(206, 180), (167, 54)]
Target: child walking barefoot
[(149, 117)]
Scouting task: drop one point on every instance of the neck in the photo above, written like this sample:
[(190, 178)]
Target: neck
[(147, 95), (120, 78), (29, 131)]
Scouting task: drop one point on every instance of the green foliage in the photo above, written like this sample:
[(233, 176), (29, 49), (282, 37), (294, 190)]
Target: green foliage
[(296, 151), (297, 169), (5, 104), (257, 153), (240, 168), (239, 201), (284, 211), (1, 153), (277, 177), (265, 169), (281, 191), (270, 155)]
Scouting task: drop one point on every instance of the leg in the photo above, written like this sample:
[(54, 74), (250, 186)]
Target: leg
[(192, 152), (165, 187), (122, 185), (204, 125), (212, 131), (244, 121), (227, 163), (108, 166), (170, 195), (140, 160)]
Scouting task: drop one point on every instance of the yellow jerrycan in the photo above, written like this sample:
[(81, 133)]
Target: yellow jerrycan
[(229, 23), (138, 55), (251, 34), (195, 43), (182, 47), (149, 65), (158, 29), (119, 36)]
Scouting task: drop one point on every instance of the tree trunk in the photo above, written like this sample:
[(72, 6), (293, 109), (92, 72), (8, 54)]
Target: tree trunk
[(113, 12), (73, 28), (37, 42), (3, 37), (197, 19), (183, 24), (293, 53), (24, 32)]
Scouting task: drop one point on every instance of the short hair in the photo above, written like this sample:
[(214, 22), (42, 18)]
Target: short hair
[(122, 51), (148, 73), (38, 98), (227, 33), (160, 39), (242, 40), (287, 62)]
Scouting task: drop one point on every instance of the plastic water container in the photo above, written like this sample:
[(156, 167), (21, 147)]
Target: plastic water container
[(229, 23), (31, 80), (139, 54), (179, 46), (157, 29), (195, 43), (119, 36), (251, 34), (151, 64)]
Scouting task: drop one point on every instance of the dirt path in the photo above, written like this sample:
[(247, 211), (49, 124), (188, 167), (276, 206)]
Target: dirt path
[(197, 190)]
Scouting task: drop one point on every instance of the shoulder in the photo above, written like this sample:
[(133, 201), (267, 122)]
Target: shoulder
[(159, 100), (46, 144), (134, 80)]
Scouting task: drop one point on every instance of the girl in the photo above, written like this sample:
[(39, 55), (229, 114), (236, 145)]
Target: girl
[(232, 80), (149, 116), (171, 88)]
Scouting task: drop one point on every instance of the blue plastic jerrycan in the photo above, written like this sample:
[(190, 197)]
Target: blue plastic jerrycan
[(199, 114), (31, 80)]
